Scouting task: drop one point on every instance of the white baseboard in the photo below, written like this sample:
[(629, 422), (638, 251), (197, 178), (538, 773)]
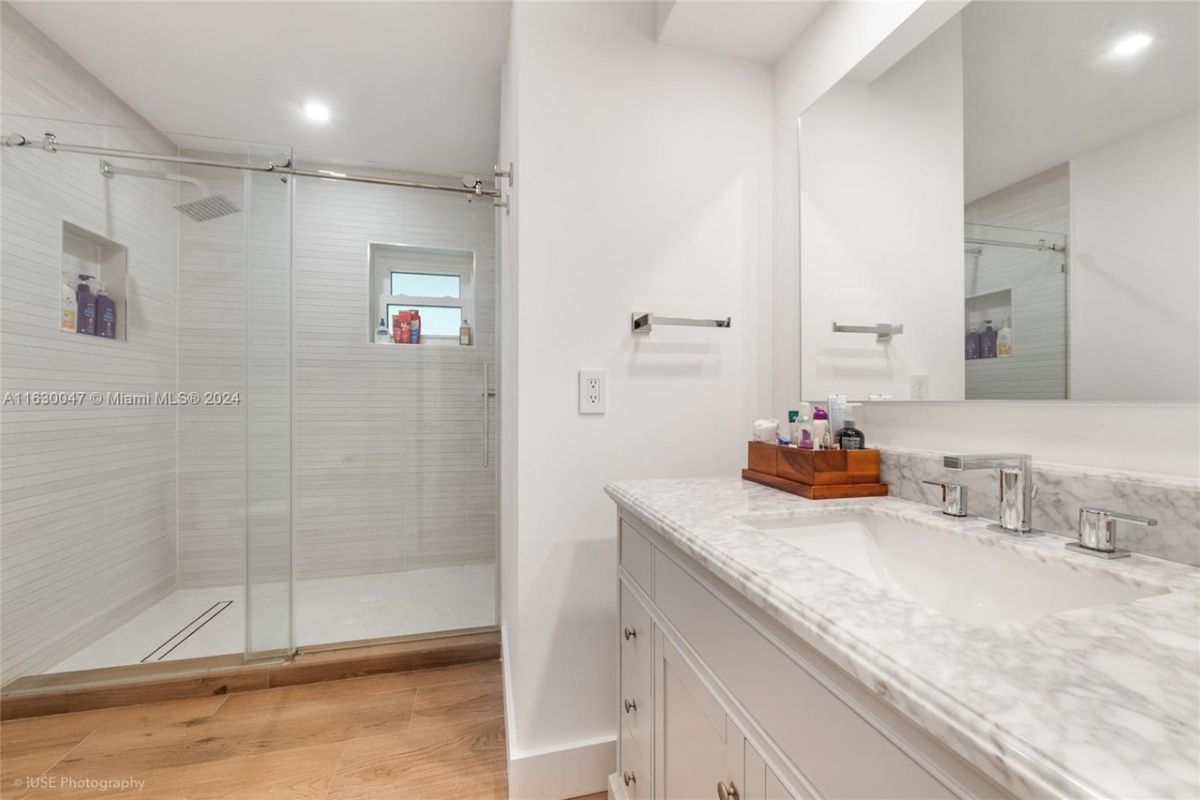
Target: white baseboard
[(615, 790), (556, 773)]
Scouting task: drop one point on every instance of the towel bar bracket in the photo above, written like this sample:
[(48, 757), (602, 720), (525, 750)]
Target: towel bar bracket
[(642, 322)]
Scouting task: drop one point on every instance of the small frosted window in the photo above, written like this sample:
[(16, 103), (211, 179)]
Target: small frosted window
[(435, 320), (416, 284)]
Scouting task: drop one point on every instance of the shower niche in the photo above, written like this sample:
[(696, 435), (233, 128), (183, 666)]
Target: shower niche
[(95, 284)]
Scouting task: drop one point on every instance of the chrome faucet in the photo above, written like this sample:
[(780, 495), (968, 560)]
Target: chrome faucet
[(1016, 486), (1098, 531)]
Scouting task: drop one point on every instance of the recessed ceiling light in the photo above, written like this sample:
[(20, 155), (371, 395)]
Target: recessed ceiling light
[(317, 112), (1132, 44)]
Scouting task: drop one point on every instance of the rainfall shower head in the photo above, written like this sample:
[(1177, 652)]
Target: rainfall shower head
[(210, 206)]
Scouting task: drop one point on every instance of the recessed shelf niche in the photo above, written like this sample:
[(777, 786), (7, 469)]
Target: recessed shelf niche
[(106, 262)]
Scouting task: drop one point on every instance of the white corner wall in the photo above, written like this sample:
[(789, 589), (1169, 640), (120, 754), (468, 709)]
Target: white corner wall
[(872, 254), (643, 183), (1135, 283)]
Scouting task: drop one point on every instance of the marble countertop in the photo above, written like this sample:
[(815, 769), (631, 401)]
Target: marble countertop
[(1093, 702)]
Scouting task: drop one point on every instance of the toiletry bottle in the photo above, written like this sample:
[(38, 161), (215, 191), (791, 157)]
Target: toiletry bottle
[(795, 414), (382, 334), (987, 341), (85, 307), (822, 439), (106, 314), (465, 335), (414, 327), (401, 322), (806, 440), (837, 412), (1004, 343), (972, 351), (69, 308), (850, 437)]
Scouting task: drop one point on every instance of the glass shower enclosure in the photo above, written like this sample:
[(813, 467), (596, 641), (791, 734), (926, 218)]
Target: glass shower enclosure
[(210, 455)]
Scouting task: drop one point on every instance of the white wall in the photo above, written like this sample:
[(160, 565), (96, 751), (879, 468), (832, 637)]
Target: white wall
[(873, 254), (88, 496), (643, 183), (1152, 438), (1135, 266)]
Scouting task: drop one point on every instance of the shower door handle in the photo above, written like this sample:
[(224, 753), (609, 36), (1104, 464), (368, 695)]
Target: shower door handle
[(487, 393)]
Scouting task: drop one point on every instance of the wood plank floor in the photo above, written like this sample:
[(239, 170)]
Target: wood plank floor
[(430, 734)]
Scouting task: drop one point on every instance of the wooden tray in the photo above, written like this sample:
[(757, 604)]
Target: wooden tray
[(814, 467), (815, 474), (824, 492)]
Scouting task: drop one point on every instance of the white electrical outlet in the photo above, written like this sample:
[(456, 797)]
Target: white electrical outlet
[(592, 385), (918, 387)]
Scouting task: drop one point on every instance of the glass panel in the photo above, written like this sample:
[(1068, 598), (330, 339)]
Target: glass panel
[(435, 320), (268, 415), (1015, 313), (416, 284), (395, 483), (140, 552)]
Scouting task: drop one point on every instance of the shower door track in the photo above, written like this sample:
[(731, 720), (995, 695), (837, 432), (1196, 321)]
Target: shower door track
[(50, 144)]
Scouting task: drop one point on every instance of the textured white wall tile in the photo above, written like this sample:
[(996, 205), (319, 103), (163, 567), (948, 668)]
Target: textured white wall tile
[(87, 511)]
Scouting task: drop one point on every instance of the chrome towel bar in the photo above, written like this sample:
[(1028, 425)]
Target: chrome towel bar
[(643, 322), (883, 330)]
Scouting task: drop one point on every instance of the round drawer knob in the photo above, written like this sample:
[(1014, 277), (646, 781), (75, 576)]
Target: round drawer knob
[(727, 791), (629, 778), (630, 705), (630, 633)]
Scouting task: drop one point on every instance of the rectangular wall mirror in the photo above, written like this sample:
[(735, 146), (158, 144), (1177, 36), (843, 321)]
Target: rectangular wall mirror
[(1035, 239)]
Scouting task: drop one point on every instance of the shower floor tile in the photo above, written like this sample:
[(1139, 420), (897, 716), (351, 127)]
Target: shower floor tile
[(327, 610)]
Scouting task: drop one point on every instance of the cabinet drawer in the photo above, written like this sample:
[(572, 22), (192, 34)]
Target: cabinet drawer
[(637, 557), (824, 737), (637, 645), (639, 718), (635, 773)]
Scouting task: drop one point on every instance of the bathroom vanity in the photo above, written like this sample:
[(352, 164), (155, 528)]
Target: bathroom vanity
[(777, 647)]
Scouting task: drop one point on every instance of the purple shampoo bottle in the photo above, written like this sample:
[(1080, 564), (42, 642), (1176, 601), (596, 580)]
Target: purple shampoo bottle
[(106, 315), (85, 301), (987, 341)]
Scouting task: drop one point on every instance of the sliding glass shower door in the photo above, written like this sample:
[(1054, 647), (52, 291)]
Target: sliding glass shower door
[(145, 370), (394, 431)]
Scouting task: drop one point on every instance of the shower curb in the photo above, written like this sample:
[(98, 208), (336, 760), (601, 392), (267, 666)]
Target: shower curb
[(67, 692)]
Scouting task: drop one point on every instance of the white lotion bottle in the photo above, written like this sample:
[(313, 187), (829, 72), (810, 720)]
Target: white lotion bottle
[(1004, 340)]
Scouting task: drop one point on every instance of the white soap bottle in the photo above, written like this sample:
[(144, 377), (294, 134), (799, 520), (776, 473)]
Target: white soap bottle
[(1004, 340)]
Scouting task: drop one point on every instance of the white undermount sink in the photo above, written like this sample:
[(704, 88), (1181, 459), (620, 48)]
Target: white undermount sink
[(945, 572)]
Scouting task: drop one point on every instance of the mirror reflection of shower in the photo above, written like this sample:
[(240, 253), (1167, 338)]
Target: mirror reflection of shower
[(207, 207)]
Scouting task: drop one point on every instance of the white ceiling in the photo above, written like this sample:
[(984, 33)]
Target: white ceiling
[(411, 84), (1040, 86), (751, 29)]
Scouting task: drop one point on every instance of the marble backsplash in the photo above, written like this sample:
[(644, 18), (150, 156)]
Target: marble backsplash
[(1174, 502)]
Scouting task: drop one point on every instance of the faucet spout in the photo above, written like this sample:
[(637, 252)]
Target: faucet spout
[(1016, 485)]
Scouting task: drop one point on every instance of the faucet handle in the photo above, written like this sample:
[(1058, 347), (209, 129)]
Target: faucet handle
[(954, 497), (1098, 531)]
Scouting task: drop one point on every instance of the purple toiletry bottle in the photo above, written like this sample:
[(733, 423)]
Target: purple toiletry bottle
[(987, 341), (85, 300), (106, 315), (972, 344)]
